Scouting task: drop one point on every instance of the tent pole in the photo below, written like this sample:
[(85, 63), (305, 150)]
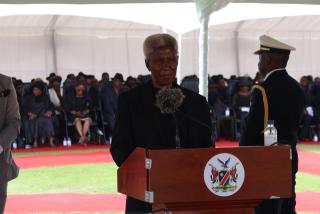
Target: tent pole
[(53, 42), (205, 8), (236, 38), (203, 55), (179, 73)]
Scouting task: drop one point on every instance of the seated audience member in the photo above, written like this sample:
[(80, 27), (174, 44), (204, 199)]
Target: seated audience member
[(18, 86), (315, 94), (105, 76), (305, 84), (50, 77), (241, 101), (222, 90), (93, 88), (191, 82), (18, 89), (55, 93), (70, 78), (213, 96), (79, 109), (37, 111), (56, 100), (81, 77), (110, 100), (130, 83), (310, 120), (142, 79)]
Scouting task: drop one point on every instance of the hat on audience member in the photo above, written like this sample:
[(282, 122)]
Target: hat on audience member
[(57, 79), (50, 76), (118, 76), (271, 45)]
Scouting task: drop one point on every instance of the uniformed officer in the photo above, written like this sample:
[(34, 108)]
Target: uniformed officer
[(280, 99)]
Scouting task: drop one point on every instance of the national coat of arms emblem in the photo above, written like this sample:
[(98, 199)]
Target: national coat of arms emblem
[(224, 174)]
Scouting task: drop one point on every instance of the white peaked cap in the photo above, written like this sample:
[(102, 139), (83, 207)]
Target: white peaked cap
[(271, 45)]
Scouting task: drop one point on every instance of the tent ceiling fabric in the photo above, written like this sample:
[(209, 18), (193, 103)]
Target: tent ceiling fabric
[(249, 11), (88, 1), (98, 41), (184, 21), (160, 14), (278, 1), (147, 1), (89, 45), (231, 45)]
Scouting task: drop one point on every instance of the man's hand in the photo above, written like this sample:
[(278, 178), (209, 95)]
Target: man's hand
[(76, 113), (48, 114), (32, 116), (85, 112)]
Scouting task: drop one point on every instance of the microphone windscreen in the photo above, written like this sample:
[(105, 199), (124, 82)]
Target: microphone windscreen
[(169, 100)]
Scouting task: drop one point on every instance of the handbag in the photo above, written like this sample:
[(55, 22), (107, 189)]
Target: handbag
[(13, 169)]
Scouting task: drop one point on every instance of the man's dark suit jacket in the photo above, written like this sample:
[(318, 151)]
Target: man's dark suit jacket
[(9, 128), (286, 104), (138, 125)]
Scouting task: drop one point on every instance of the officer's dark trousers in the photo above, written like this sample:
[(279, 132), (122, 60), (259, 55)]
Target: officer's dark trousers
[(3, 195), (134, 206), (282, 206), (277, 206)]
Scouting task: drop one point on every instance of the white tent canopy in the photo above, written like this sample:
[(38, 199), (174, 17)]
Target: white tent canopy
[(231, 46), (34, 45)]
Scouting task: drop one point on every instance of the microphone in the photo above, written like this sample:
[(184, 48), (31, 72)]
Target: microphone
[(169, 101)]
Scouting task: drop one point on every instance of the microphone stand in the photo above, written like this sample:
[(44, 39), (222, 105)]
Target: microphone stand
[(177, 137)]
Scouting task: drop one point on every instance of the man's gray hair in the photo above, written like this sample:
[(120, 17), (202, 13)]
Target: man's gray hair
[(156, 41)]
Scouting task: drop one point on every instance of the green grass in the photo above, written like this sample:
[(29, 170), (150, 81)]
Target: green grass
[(307, 182), (24, 154), (307, 213), (311, 148), (86, 178)]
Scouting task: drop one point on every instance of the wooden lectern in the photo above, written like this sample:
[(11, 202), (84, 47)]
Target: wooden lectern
[(173, 179)]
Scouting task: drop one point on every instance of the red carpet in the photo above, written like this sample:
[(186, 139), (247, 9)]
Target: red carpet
[(310, 143), (90, 203), (63, 159), (307, 201), (309, 162), (221, 144), (61, 148), (65, 203)]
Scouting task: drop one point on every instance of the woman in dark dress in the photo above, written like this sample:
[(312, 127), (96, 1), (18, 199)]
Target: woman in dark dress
[(79, 111), (37, 111)]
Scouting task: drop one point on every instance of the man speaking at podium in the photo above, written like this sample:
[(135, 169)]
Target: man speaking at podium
[(159, 114), (280, 99)]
